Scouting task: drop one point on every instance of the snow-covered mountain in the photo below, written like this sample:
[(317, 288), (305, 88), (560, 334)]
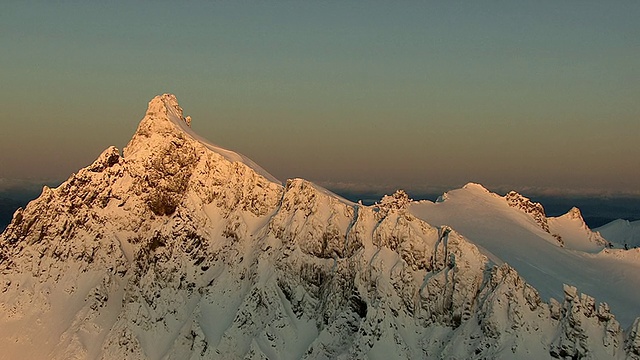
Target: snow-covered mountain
[(179, 249), (546, 252), (622, 233)]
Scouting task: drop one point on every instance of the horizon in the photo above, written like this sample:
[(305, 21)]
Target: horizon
[(597, 209), (538, 98)]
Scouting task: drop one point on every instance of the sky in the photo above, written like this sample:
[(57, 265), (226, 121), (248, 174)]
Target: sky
[(357, 95)]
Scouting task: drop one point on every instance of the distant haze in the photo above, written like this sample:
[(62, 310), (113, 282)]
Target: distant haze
[(523, 95)]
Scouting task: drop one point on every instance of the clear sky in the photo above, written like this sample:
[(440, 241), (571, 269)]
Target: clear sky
[(412, 94)]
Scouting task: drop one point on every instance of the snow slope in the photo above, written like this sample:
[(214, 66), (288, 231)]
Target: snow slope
[(178, 249), (621, 232), (575, 234), (510, 235)]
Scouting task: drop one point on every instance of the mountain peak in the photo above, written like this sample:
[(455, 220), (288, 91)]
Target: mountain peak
[(475, 186), (574, 213), (163, 122), (167, 105), (164, 125)]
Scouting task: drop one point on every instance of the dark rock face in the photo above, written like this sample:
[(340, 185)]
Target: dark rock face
[(535, 210)]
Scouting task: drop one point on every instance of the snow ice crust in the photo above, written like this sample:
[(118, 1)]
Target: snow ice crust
[(181, 249)]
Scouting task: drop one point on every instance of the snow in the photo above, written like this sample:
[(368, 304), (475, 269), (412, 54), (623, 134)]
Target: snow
[(513, 237), (174, 113), (620, 232), (575, 233)]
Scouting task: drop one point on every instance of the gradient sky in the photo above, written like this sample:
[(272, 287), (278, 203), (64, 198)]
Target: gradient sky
[(412, 94)]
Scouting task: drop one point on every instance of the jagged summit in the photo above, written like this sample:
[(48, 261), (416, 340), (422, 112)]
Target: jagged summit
[(163, 105), (167, 104), (164, 125), (574, 213)]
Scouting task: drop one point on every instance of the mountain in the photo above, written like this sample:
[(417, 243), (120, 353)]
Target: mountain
[(620, 232), (179, 249), (546, 252)]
